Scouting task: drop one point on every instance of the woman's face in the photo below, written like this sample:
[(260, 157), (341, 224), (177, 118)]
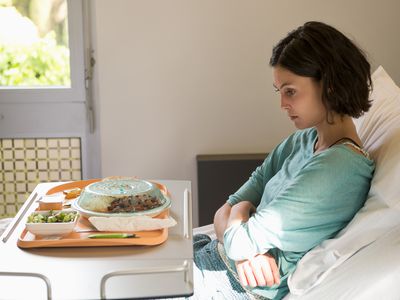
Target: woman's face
[(301, 98)]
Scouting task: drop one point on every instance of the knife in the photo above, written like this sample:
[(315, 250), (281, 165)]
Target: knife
[(112, 236)]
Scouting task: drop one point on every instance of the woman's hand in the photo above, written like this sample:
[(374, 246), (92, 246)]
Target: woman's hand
[(258, 271)]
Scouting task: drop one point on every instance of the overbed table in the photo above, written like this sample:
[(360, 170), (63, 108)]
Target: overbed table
[(120, 272)]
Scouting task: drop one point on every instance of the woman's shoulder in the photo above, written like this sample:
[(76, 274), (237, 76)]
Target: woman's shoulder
[(304, 137), (343, 158), (337, 169)]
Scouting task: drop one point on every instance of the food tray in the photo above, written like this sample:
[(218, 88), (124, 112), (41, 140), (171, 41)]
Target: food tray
[(79, 237)]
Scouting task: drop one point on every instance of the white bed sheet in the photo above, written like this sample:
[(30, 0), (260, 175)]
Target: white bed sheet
[(207, 229), (371, 273)]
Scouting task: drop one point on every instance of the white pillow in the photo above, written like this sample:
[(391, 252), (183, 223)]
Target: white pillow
[(379, 130)]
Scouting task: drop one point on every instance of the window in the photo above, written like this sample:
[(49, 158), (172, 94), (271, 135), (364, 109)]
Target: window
[(34, 44), (43, 109), (41, 51)]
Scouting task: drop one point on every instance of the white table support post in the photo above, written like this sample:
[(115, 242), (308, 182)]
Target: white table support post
[(37, 275)]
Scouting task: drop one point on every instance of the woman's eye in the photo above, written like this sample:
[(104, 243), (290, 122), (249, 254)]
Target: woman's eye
[(290, 92)]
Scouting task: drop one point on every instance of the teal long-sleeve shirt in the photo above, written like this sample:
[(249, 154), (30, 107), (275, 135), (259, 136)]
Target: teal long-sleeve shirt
[(301, 198)]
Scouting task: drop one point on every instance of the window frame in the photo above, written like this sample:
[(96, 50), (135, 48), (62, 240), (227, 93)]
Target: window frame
[(56, 94)]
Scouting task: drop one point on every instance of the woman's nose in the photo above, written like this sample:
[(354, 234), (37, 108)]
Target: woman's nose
[(284, 105)]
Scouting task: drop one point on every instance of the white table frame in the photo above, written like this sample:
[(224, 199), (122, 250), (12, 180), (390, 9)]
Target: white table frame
[(107, 272)]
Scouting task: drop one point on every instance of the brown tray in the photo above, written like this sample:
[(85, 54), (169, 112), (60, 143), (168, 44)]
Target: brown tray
[(77, 238)]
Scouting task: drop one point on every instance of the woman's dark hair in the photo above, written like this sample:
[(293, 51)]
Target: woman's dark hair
[(323, 53)]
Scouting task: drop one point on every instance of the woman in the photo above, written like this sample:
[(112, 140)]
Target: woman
[(311, 185)]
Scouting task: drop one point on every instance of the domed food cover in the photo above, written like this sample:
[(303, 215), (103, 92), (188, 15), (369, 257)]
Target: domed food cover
[(121, 197)]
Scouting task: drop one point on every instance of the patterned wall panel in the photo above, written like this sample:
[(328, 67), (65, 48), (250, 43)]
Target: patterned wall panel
[(25, 162)]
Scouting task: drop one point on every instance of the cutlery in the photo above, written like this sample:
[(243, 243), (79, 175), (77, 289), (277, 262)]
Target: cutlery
[(112, 236), (86, 230)]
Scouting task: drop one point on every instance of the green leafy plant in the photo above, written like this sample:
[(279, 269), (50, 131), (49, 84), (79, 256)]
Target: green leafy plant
[(40, 64)]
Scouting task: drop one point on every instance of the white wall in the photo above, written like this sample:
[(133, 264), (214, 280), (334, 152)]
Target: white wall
[(179, 78)]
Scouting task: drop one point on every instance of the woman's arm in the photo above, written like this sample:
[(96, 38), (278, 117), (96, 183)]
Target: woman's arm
[(228, 215), (261, 270), (240, 213), (221, 220), (253, 189)]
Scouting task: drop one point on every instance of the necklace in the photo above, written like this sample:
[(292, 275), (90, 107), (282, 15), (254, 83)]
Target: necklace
[(341, 139), (351, 143)]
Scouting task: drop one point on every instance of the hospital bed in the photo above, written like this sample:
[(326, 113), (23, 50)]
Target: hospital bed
[(363, 261)]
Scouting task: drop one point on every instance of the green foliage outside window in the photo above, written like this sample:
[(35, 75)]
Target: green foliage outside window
[(34, 47), (42, 63)]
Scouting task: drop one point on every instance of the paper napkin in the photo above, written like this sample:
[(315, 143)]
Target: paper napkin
[(136, 223)]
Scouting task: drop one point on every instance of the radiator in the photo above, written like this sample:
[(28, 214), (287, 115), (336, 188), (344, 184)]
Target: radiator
[(219, 176)]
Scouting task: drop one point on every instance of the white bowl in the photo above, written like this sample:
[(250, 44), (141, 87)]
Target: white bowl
[(96, 198), (52, 229), (151, 212)]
